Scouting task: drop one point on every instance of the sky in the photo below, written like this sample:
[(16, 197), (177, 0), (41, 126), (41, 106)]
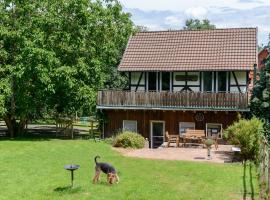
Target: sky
[(171, 14)]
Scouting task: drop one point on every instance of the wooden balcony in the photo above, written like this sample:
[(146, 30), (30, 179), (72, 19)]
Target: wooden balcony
[(116, 99)]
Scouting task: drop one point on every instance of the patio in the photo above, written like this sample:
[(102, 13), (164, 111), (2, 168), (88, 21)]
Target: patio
[(222, 155)]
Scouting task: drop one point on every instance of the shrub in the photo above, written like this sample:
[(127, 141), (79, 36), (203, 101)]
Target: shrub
[(109, 140), (246, 135), (129, 139)]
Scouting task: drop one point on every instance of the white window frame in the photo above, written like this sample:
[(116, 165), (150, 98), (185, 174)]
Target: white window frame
[(130, 121), (221, 129), (186, 123)]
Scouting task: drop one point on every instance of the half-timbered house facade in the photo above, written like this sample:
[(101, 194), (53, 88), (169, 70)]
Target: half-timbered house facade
[(182, 80)]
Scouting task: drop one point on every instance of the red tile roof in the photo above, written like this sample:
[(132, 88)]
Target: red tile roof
[(185, 50)]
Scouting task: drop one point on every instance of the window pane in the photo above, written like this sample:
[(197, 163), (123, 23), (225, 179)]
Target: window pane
[(222, 81), (183, 126), (130, 125), (152, 81), (157, 129), (214, 130), (207, 81), (165, 80)]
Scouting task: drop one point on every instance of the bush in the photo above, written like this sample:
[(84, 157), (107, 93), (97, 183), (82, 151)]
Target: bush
[(246, 135), (129, 139), (110, 140)]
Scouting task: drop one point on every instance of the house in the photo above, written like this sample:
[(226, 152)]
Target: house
[(262, 56), (181, 80)]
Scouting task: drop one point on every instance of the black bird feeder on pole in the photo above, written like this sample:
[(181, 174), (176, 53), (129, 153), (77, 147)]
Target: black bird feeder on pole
[(71, 168)]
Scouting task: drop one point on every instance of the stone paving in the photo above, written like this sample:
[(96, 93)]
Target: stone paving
[(192, 153)]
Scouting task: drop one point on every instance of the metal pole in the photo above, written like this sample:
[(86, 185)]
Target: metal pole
[(72, 177)]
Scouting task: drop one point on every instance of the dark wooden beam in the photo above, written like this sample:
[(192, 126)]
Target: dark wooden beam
[(236, 81)]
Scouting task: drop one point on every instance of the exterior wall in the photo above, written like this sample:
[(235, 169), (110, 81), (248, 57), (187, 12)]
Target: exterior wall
[(179, 85), (242, 80), (136, 82), (139, 81), (171, 118)]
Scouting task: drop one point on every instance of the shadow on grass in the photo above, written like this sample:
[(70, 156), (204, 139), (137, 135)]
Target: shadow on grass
[(27, 138), (68, 189), (250, 182)]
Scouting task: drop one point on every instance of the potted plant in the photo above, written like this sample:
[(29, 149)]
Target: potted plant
[(208, 143)]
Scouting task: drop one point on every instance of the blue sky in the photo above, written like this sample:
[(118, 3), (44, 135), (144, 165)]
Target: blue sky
[(171, 14)]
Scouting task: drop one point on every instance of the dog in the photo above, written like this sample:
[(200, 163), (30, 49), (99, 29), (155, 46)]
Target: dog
[(106, 168)]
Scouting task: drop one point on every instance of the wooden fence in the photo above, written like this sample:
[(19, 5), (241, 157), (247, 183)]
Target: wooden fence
[(263, 168), (173, 100)]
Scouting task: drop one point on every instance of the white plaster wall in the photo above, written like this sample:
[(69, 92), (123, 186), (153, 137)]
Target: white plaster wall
[(178, 82), (177, 89), (194, 82), (135, 76), (235, 89), (140, 88), (241, 77)]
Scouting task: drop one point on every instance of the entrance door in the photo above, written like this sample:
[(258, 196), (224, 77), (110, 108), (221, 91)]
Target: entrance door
[(157, 133)]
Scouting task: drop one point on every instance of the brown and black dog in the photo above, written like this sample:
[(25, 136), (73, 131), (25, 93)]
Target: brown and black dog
[(106, 168)]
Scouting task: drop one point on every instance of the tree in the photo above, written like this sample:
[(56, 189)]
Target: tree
[(260, 101), (55, 55), (196, 24), (246, 135)]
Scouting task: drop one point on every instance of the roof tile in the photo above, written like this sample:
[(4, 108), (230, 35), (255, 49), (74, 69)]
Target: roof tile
[(217, 49)]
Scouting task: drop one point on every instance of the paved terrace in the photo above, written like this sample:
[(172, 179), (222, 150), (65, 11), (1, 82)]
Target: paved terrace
[(222, 155)]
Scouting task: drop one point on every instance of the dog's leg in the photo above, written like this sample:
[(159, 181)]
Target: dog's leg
[(117, 178), (96, 177)]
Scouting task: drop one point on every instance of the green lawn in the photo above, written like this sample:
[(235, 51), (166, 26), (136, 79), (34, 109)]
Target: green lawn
[(34, 170)]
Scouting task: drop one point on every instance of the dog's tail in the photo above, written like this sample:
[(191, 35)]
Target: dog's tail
[(96, 159)]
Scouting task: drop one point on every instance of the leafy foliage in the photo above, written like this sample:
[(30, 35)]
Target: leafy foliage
[(196, 24), (260, 103), (129, 139), (246, 135), (55, 55)]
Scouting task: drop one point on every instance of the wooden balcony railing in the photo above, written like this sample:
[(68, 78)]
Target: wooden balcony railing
[(172, 100)]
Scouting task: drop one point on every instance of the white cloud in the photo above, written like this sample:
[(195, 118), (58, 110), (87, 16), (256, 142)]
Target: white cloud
[(181, 5), (220, 15), (173, 20), (196, 12)]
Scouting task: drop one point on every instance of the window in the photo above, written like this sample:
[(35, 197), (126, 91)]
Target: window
[(214, 130), (183, 126), (222, 81), (152, 81), (207, 81), (165, 76), (130, 125)]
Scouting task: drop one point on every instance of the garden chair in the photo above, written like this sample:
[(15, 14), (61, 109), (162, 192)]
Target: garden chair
[(172, 139)]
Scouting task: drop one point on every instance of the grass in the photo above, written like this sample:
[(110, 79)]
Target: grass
[(33, 169)]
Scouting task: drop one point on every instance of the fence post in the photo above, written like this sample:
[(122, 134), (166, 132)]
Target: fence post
[(268, 182)]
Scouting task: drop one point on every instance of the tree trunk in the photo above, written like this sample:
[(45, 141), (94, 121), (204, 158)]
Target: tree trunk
[(15, 128), (11, 125)]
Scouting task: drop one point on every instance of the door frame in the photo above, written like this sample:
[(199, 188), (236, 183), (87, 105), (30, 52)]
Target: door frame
[(151, 130)]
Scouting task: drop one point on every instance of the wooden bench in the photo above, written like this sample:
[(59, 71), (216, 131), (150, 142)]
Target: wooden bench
[(195, 135)]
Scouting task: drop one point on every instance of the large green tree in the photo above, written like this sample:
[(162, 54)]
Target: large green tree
[(260, 103), (196, 24), (55, 55)]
